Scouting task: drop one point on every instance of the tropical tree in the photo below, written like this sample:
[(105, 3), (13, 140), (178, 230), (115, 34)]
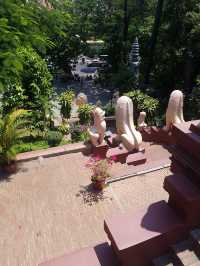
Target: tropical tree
[(18, 28)]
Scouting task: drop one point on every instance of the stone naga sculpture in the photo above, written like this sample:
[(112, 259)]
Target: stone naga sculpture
[(126, 132), (141, 120), (97, 137), (174, 113)]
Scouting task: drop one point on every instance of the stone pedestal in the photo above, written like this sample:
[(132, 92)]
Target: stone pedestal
[(136, 158), (100, 151), (120, 153)]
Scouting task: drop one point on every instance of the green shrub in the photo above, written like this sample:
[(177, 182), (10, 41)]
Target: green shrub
[(193, 104), (13, 127), (54, 138), (13, 97), (84, 113), (109, 109), (65, 100), (78, 133), (79, 136), (123, 79), (143, 102), (32, 90), (64, 128)]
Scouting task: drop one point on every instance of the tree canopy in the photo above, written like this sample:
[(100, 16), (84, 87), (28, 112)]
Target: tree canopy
[(168, 33)]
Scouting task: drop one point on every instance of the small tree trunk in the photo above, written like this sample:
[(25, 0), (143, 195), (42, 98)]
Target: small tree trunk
[(125, 33), (153, 40), (188, 73), (125, 30)]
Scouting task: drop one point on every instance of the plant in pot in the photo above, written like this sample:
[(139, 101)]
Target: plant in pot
[(12, 129), (100, 171), (66, 99), (84, 113)]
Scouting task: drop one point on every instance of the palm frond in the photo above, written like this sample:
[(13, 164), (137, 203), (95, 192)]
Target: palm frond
[(12, 128)]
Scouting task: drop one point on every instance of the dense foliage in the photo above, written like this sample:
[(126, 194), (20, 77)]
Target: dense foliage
[(37, 42), (168, 32), (143, 103)]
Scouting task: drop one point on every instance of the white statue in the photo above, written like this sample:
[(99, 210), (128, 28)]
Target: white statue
[(126, 132), (97, 137), (141, 120), (81, 99), (174, 113)]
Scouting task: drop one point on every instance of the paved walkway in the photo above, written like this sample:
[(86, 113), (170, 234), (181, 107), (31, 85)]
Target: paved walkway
[(48, 209)]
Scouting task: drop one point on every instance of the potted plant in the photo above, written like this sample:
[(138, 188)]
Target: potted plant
[(12, 128), (66, 99), (84, 113), (100, 171)]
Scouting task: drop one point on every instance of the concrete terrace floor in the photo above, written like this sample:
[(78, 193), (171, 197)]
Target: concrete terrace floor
[(47, 209)]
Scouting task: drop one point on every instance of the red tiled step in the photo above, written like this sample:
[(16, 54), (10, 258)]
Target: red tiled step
[(141, 236), (184, 196), (101, 255), (136, 158)]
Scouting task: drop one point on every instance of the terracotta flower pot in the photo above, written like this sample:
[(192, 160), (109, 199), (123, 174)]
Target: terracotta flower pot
[(99, 184)]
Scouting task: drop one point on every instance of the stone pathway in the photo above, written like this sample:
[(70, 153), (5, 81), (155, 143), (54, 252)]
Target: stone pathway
[(48, 209)]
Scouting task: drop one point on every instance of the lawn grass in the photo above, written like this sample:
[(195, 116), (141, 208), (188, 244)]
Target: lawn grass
[(34, 145)]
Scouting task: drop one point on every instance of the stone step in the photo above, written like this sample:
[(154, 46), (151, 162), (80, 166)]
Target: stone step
[(188, 162), (185, 252), (143, 235), (166, 260), (184, 196), (187, 140)]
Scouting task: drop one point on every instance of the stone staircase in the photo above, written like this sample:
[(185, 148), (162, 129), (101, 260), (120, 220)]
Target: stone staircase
[(184, 253)]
